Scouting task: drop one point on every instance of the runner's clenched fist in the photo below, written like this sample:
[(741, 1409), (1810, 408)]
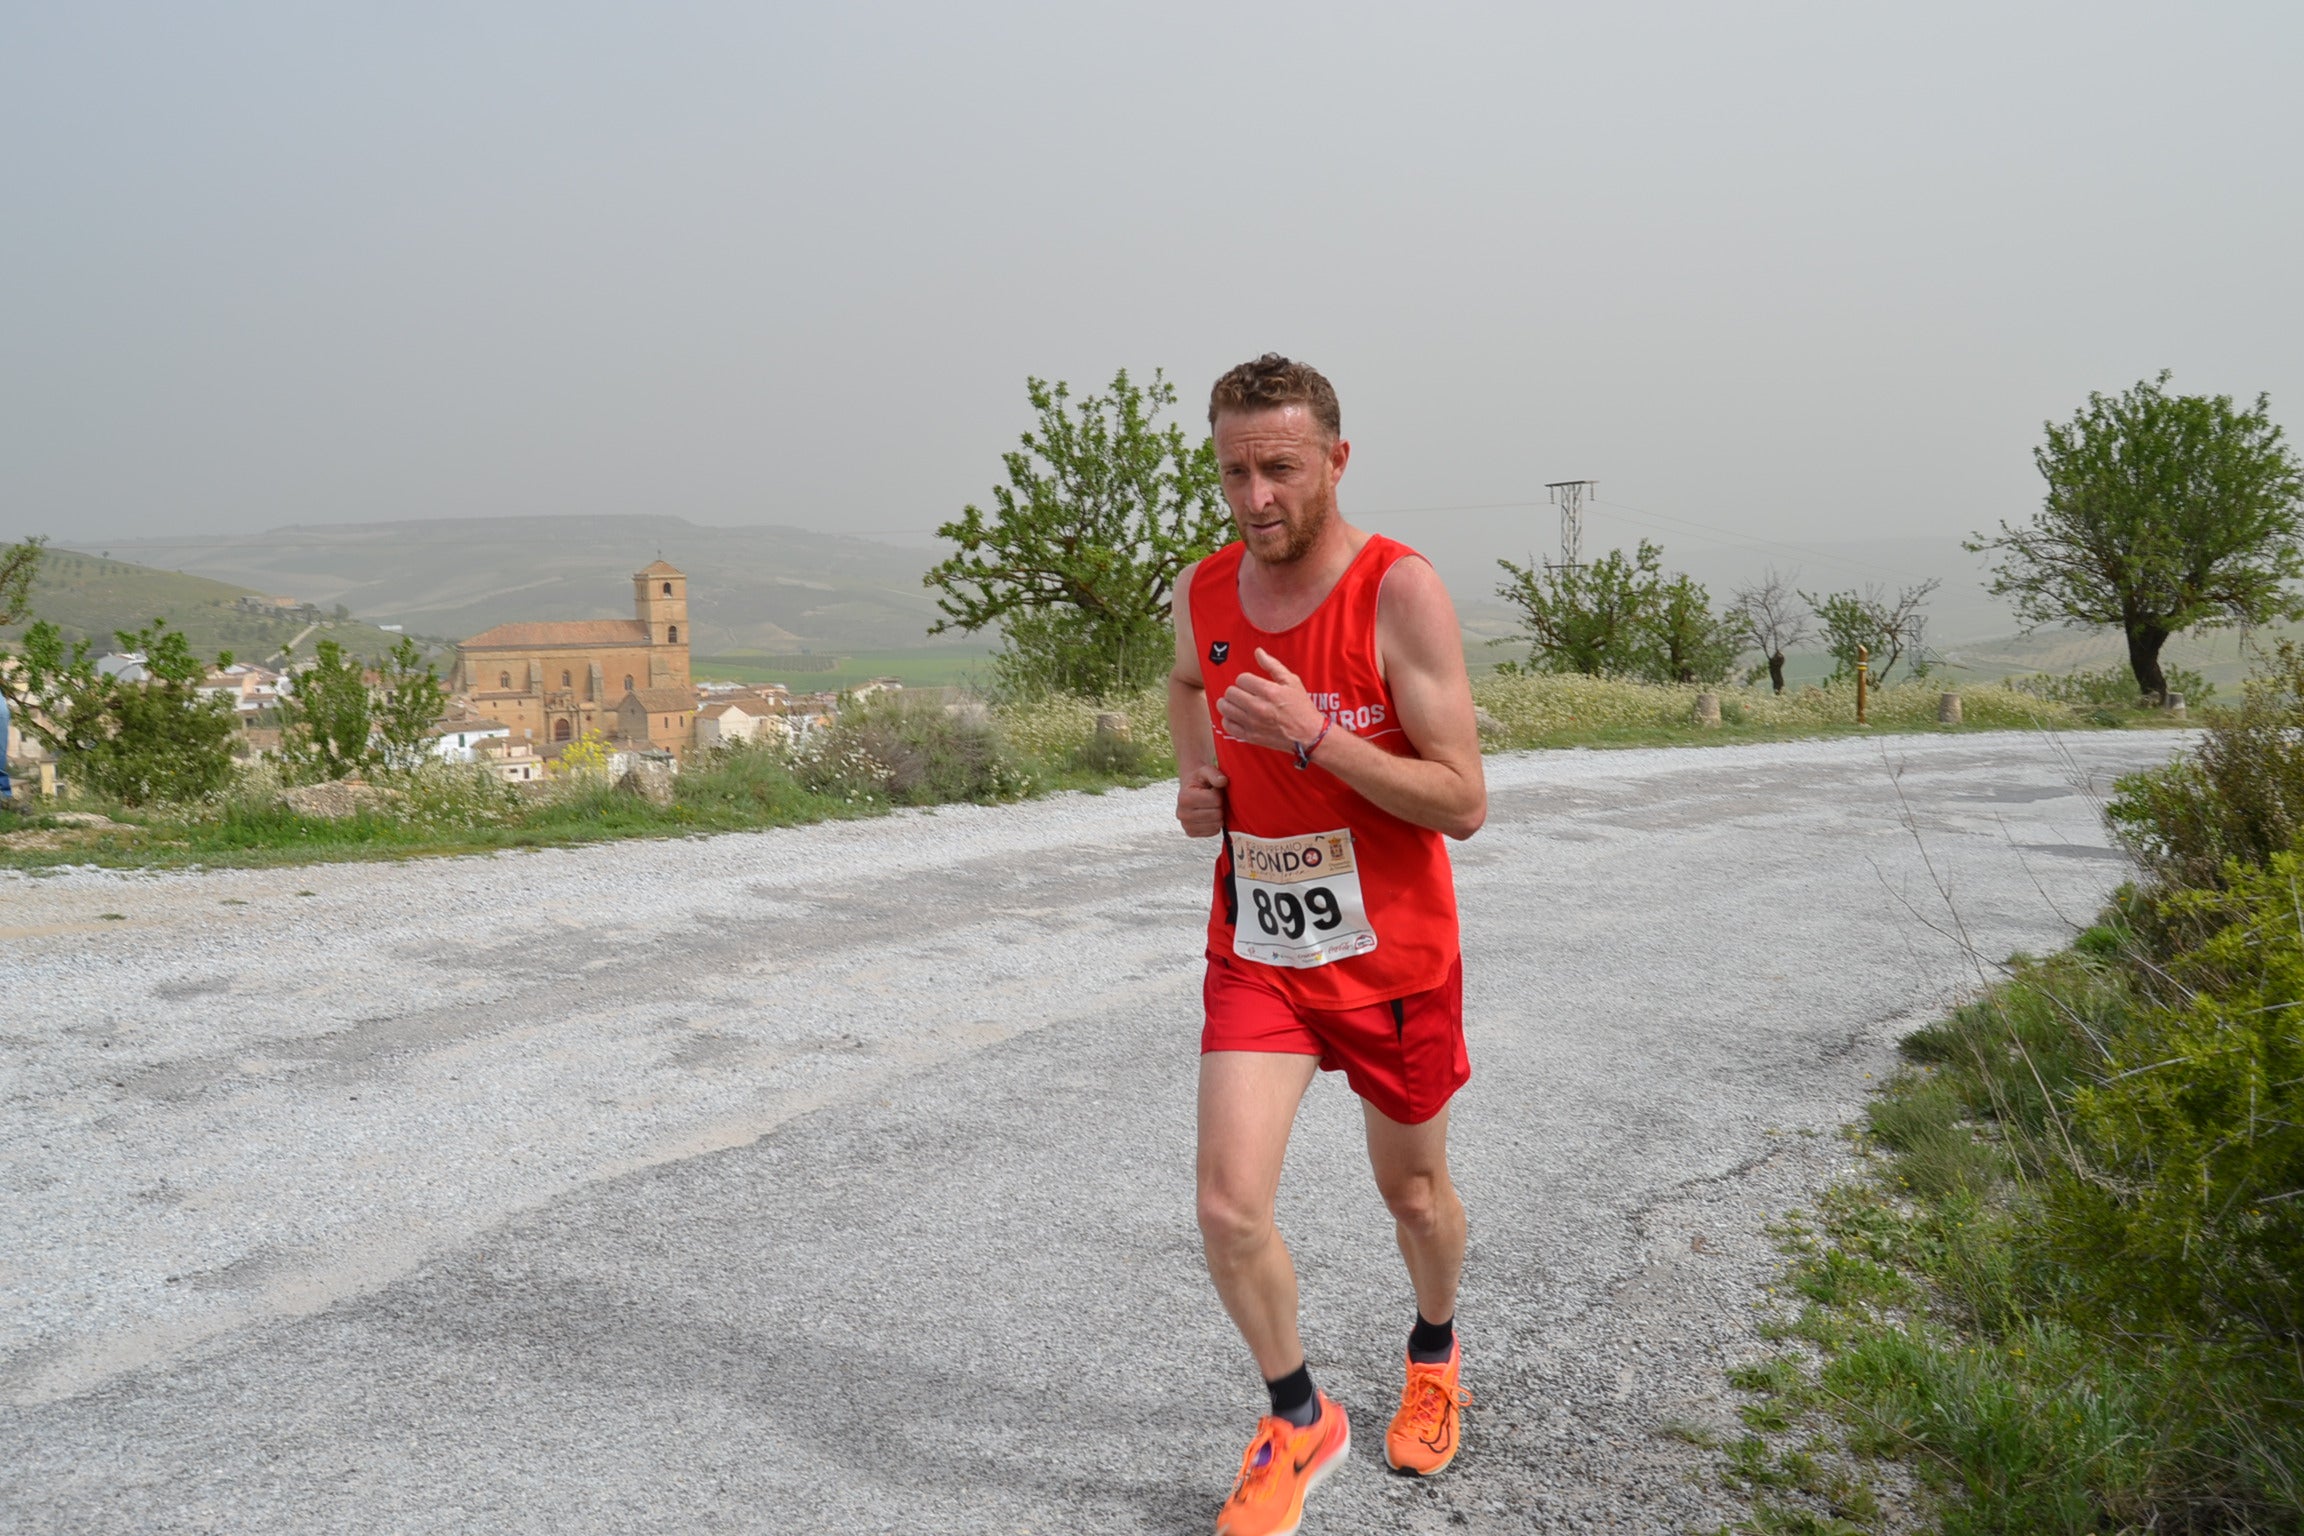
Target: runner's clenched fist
[(1200, 802)]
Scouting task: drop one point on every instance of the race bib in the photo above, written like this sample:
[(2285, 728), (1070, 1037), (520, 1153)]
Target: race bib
[(1299, 900)]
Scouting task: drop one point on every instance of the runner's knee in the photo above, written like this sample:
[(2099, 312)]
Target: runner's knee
[(1418, 1200), (1229, 1222)]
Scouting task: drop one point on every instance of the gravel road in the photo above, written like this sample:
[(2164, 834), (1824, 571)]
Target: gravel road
[(839, 1179)]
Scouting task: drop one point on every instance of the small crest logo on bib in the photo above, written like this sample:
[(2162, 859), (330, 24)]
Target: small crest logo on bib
[(1218, 650)]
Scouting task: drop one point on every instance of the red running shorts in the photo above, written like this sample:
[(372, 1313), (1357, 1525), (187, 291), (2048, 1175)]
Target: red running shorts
[(1406, 1057)]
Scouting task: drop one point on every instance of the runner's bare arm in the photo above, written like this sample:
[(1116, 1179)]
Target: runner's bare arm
[(1422, 653), (1199, 786)]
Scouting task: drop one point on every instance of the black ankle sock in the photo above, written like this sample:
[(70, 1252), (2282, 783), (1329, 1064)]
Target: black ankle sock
[(1429, 1343), (1293, 1398)]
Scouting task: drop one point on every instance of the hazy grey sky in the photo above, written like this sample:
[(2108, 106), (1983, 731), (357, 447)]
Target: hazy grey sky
[(1807, 271)]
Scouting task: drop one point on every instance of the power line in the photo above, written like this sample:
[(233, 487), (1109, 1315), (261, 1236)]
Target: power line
[(1621, 508), (1748, 538)]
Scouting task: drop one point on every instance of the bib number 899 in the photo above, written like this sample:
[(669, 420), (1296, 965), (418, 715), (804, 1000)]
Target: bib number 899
[(1285, 915)]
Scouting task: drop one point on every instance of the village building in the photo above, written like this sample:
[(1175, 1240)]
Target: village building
[(457, 738), (513, 761), (552, 681), (744, 718)]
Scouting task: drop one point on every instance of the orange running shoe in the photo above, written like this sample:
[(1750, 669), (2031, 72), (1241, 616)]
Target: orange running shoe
[(1283, 1464), (1426, 1430)]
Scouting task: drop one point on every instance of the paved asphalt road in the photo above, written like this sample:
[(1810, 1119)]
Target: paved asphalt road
[(839, 1179)]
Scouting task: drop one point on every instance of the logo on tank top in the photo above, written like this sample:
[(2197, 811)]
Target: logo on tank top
[(1217, 651), (1356, 718)]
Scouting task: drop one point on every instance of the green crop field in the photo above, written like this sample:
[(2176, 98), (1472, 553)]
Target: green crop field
[(922, 667)]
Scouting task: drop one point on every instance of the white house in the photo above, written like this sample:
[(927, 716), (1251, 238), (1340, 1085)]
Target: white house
[(458, 738)]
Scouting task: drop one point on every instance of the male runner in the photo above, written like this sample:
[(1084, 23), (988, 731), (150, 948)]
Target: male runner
[(1323, 724)]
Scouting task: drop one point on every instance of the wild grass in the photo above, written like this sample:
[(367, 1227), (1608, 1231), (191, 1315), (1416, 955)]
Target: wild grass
[(1566, 710), (1994, 1306), (2069, 1291)]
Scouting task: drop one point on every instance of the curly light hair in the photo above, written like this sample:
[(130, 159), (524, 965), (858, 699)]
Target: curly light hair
[(1272, 381)]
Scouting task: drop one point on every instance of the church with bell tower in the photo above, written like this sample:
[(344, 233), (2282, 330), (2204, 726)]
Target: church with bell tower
[(552, 681)]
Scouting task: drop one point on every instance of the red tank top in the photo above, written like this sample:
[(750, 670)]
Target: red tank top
[(1408, 890)]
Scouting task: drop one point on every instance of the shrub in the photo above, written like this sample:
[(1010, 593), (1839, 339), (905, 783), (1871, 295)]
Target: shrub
[(2192, 1214), (1055, 727), (448, 796), (2238, 798), (1120, 756), (2088, 1176), (2112, 688), (909, 754), (754, 778), (1535, 707)]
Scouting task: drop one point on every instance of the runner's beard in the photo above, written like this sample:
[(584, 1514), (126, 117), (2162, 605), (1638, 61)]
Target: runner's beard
[(1301, 536)]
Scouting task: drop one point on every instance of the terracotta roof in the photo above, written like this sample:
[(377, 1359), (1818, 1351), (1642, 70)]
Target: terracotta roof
[(538, 634), (663, 701), (661, 569), (716, 711)]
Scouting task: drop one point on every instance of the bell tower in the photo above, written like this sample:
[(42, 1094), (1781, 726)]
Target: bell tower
[(660, 602)]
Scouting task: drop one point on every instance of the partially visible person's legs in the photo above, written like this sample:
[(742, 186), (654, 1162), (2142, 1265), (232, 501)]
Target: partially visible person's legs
[(1411, 1163), (1248, 1102), (1411, 1167)]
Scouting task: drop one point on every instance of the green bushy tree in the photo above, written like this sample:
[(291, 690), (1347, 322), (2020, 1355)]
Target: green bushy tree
[(411, 700), (1585, 618), (1620, 616), (2164, 513), (19, 563), (1077, 564), (1689, 643), (136, 742), (326, 719)]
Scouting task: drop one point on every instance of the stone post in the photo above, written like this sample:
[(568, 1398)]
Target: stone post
[(1947, 709), (649, 777), (1708, 710), (2175, 706), (1111, 726), (47, 779)]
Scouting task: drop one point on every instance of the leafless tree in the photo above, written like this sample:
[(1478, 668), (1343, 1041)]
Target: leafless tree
[(1891, 631), (1770, 618)]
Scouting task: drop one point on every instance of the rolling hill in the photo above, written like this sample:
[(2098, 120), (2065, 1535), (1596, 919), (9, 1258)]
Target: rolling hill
[(90, 597), (786, 602), (759, 590)]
